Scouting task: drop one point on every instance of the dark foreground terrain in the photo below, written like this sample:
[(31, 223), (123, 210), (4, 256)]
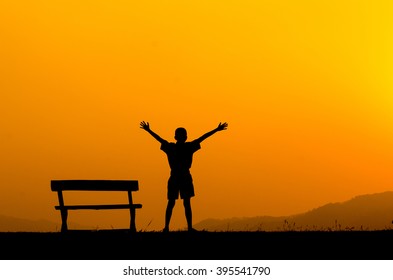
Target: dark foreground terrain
[(121, 245)]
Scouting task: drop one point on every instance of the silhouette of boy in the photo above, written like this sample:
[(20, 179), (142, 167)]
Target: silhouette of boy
[(180, 159)]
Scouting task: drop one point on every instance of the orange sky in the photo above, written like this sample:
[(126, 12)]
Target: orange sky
[(305, 86)]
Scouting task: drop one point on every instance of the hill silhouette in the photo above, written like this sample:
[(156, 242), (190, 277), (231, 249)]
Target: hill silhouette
[(347, 230), (13, 224), (364, 212)]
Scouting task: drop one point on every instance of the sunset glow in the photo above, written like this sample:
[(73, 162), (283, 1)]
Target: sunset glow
[(305, 86)]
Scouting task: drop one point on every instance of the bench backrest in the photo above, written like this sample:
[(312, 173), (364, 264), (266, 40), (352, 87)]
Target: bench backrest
[(94, 185)]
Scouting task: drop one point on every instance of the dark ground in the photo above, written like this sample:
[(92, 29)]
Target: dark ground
[(121, 245)]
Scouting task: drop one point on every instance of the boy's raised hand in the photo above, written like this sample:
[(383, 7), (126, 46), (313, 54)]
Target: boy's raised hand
[(222, 126), (145, 125)]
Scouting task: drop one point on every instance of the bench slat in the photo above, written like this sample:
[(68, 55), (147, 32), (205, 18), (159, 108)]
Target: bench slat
[(98, 207), (94, 185)]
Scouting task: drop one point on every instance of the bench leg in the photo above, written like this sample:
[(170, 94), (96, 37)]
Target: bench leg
[(64, 215), (132, 221)]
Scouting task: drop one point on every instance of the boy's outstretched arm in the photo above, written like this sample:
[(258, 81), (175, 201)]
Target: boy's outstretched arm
[(221, 126), (146, 126)]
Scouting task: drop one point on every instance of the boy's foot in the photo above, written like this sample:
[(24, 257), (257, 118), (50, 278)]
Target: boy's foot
[(165, 230), (192, 230)]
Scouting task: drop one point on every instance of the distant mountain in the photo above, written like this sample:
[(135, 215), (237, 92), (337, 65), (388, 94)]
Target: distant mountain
[(12, 224), (365, 212)]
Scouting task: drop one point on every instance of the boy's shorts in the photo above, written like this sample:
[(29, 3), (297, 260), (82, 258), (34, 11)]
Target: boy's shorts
[(180, 183)]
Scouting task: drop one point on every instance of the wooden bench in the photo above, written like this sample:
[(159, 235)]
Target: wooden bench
[(128, 186)]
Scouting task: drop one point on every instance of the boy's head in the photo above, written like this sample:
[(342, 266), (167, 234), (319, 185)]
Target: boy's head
[(181, 134)]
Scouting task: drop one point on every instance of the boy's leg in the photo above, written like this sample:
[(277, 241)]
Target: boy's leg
[(188, 212), (168, 213)]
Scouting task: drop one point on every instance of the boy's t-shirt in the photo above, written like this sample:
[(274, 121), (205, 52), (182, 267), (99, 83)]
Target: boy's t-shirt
[(180, 155)]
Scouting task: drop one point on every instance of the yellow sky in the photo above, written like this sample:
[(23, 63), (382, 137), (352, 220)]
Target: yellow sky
[(306, 87)]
